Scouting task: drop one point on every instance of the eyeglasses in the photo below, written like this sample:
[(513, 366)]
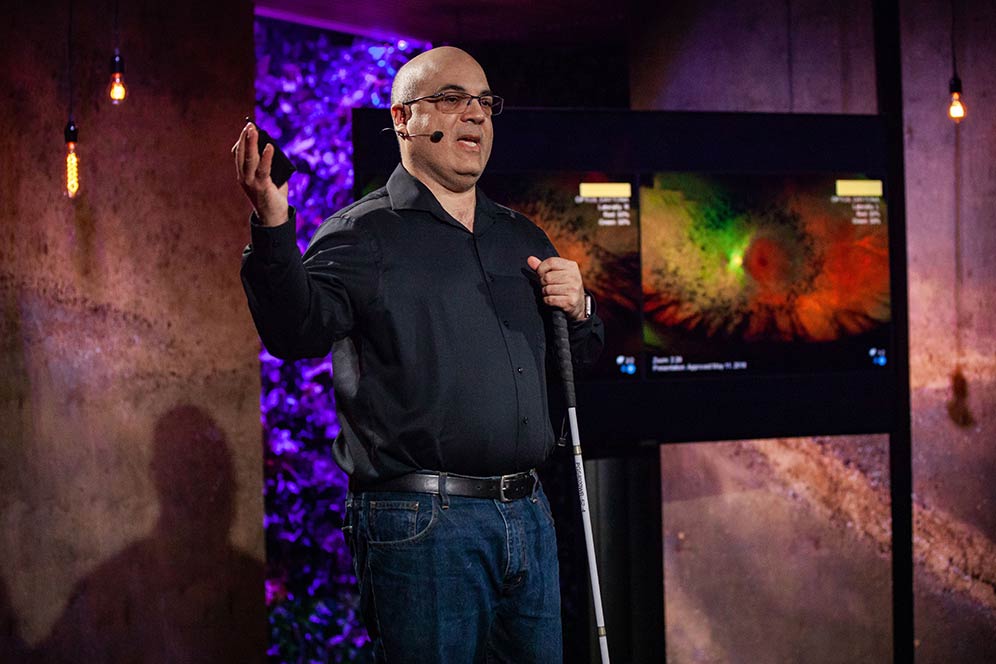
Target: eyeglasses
[(457, 102)]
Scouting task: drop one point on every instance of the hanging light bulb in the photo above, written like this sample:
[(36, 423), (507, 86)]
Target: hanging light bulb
[(956, 109), (72, 160), (116, 89), (72, 132)]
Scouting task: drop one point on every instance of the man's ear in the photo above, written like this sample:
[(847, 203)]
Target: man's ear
[(399, 115)]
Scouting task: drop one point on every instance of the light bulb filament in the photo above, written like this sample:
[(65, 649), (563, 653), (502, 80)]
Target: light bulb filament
[(116, 90), (72, 170), (956, 111)]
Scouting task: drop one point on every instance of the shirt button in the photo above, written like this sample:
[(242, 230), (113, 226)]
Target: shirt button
[(525, 420), (519, 369), (505, 322)]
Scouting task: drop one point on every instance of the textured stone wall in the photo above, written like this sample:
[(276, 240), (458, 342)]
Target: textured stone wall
[(951, 201), (130, 480), (812, 496)]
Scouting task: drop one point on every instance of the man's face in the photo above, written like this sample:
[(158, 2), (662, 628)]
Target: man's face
[(458, 160)]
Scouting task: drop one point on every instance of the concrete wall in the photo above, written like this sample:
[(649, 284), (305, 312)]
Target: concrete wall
[(130, 480), (951, 201), (809, 56)]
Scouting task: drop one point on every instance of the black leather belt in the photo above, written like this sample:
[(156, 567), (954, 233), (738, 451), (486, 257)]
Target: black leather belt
[(505, 488)]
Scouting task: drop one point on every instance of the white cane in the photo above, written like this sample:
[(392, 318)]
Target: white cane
[(563, 345)]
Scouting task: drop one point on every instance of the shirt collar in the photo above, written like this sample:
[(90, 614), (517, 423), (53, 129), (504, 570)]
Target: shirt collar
[(408, 193)]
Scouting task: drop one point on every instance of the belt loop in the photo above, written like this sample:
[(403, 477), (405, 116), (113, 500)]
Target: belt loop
[(536, 484), (444, 498)]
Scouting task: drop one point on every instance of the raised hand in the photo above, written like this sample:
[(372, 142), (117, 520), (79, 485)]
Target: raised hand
[(253, 173)]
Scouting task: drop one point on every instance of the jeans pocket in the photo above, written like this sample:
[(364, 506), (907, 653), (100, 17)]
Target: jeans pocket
[(399, 521), (545, 506)]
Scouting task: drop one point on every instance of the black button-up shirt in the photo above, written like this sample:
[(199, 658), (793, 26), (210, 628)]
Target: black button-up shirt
[(439, 335)]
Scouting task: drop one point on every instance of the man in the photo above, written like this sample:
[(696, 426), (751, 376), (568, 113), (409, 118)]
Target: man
[(435, 303)]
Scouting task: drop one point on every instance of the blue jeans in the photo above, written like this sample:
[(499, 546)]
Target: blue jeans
[(472, 581)]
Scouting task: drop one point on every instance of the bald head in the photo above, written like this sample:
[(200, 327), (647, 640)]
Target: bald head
[(456, 158), (423, 67)]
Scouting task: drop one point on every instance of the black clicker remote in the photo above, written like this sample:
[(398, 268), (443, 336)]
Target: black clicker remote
[(281, 169)]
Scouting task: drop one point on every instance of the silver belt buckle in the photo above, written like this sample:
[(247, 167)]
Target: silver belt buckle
[(502, 485)]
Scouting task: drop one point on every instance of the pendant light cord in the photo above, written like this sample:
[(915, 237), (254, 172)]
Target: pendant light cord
[(69, 56)]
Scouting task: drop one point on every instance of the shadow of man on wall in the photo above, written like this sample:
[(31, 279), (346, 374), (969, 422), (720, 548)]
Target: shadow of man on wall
[(182, 594), (12, 647)]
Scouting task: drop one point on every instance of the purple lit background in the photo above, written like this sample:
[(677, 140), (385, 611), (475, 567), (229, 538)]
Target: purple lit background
[(307, 82)]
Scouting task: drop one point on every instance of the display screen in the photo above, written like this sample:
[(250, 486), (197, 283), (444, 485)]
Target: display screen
[(763, 273), (709, 273)]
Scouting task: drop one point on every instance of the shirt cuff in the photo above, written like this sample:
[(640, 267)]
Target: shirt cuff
[(273, 243)]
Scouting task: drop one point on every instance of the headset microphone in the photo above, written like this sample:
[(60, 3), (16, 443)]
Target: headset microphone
[(435, 136)]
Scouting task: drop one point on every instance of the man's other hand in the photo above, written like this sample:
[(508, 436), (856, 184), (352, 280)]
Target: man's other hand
[(253, 173), (561, 282)]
